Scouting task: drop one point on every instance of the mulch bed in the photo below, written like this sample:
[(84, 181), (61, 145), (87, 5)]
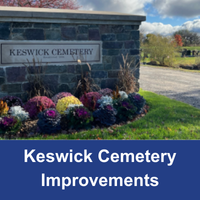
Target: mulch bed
[(30, 129)]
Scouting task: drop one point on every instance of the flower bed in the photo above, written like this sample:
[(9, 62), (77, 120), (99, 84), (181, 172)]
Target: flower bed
[(41, 115)]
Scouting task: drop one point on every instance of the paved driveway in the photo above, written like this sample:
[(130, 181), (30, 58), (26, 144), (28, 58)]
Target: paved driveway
[(179, 85)]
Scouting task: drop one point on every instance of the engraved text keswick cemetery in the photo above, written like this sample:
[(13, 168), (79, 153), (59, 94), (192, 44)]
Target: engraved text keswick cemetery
[(17, 53)]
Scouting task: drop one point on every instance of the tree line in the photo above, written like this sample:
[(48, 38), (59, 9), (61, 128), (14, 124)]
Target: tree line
[(162, 49), (188, 38)]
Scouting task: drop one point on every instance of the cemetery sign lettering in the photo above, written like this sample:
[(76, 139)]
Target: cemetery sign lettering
[(57, 52)]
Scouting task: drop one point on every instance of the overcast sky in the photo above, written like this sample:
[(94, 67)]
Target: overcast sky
[(163, 16)]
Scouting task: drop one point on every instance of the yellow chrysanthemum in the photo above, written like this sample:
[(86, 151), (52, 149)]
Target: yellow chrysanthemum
[(64, 103)]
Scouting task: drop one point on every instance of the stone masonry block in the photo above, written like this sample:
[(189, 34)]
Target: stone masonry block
[(82, 37), (131, 27), (18, 30), (108, 66), (113, 52), (99, 74), (123, 36), (42, 25), (79, 68), (68, 33), (117, 29), (82, 29), (2, 73), (34, 34), (137, 44), (17, 36), (134, 52), (93, 26), (129, 44), (68, 78), (16, 74), (5, 25), (25, 86), (56, 25), (137, 73), (107, 59), (2, 80), (64, 88), (97, 81), (11, 88), (108, 37), (52, 34), (112, 45), (94, 34), (110, 52), (22, 25), (97, 67), (71, 69), (54, 69), (113, 74), (109, 83), (105, 29), (135, 35), (117, 61), (51, 81), (36, 69), (4, 33)]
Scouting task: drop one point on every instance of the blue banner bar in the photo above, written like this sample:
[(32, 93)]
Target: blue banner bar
[(99, 170)]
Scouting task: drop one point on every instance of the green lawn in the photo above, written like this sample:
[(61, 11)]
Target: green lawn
[(179, 60), (167, 119), (185, 61), (191, 48)]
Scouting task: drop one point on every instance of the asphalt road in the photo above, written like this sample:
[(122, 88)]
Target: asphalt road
[(175, 84)]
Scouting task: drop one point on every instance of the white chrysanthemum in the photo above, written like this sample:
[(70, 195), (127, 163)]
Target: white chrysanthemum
[(19, 112), (123, 95), (70, 106), (105, 100)]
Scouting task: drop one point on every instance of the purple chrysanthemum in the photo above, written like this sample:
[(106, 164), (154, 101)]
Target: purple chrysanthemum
[(38, 104), (12, 101)]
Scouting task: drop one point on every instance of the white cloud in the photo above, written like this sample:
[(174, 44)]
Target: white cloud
[(192, 25), (135, 7), (158, 28), (173, 8), (167, 29)]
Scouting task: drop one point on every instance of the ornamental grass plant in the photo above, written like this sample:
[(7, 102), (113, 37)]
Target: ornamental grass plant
[(126, 79), (85, 84), (36, 85)]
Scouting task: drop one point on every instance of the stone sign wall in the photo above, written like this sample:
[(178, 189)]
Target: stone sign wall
[(118, 34)]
